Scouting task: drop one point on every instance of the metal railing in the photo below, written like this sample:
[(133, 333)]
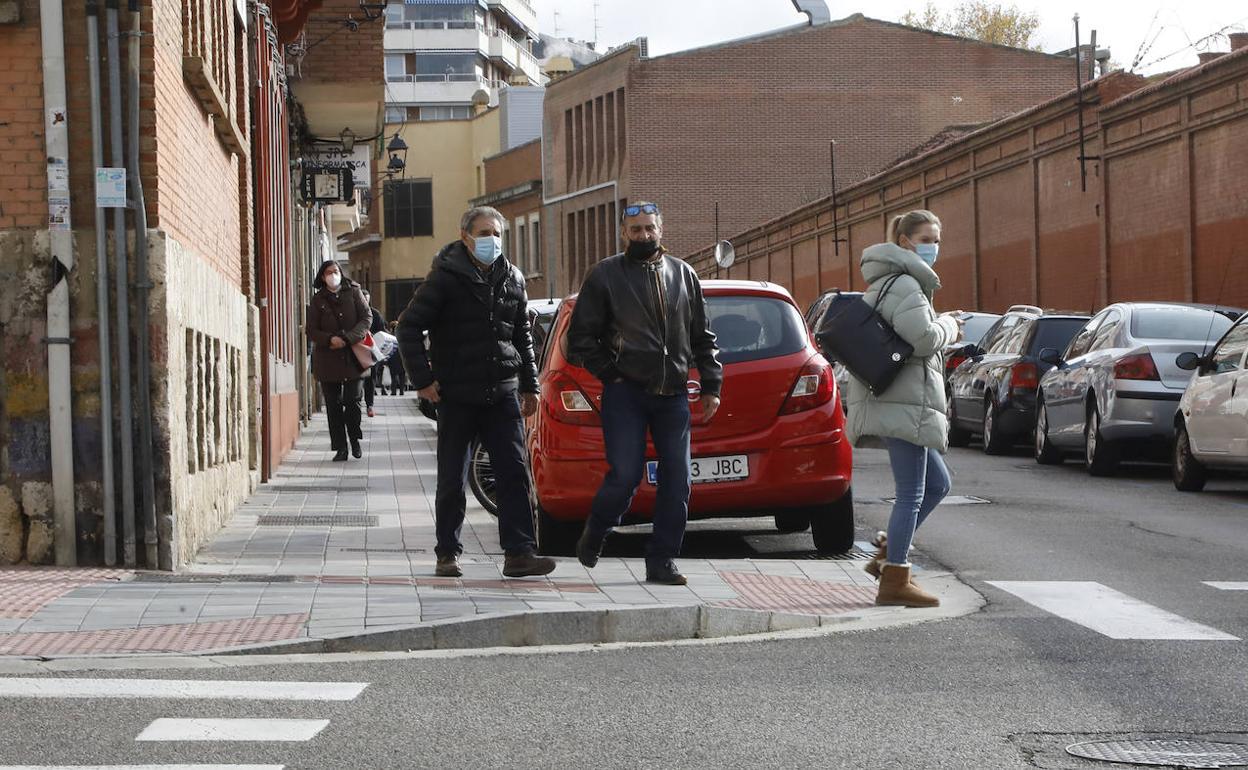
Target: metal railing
[(452, 77), (442, 25)]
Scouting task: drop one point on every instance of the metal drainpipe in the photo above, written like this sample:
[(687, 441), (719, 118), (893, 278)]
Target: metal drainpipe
[(143, 398), (101, 295), (61, 239), (116, 158)]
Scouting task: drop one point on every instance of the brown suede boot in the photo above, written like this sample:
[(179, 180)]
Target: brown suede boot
[(872, 568), (897, 590)]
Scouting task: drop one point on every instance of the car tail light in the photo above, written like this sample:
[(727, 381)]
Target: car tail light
[(954, 362), (1024, 377), (570, 404), (1137, 367), (814, 388)]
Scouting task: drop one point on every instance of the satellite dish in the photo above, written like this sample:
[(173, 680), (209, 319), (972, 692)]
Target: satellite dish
[(725, 254)]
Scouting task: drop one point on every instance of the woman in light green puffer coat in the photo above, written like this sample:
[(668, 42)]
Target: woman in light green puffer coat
[(909, 418)]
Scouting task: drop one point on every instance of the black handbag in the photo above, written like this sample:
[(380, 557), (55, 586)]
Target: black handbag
[(856, 335)]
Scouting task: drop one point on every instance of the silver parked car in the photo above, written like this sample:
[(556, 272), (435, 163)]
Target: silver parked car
[(1115, 390), (1211, 427)]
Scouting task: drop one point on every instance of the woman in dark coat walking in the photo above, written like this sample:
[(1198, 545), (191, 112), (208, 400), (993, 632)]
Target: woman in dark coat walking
[(338, 317)]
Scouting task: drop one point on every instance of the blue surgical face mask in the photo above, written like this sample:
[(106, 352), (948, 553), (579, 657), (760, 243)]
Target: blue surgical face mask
[(487, 249), (928, 252)]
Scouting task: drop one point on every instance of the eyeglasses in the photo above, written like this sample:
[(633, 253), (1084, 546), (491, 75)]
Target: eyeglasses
[(646, 208)]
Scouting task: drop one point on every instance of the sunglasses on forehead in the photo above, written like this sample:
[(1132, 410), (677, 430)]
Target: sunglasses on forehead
[(648, 208)]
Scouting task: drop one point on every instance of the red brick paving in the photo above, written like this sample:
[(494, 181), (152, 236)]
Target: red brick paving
[(25, 591), (794, 594), (183, 637)]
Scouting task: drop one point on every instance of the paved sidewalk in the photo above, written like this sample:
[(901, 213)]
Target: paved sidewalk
[(331, 550)]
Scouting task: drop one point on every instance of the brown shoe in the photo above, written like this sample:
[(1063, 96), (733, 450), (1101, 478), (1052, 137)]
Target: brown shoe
[(872, 568), (448, 566), (527, 565), (896, 589)]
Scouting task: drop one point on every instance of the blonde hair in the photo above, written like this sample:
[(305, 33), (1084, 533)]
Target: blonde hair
[(908, 224)]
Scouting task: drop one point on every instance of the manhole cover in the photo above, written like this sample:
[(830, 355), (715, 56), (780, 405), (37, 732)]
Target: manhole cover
[(1166, 753), (316, 520)]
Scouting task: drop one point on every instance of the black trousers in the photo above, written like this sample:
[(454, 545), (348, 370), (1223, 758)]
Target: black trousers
[(342, 406), (369, 389), (398, 377), (501, 430)]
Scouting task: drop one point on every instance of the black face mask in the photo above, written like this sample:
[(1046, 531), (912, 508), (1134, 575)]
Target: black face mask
[(642, 250)]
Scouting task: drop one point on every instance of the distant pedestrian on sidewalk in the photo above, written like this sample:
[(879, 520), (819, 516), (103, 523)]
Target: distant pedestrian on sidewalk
[(909, 418), (373, 376), (639, 326), (483, 381), (337, 318), (398, 377)]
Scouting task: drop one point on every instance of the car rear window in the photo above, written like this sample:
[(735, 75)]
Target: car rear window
[(1055, 333), (1178, 323), (754, 328)]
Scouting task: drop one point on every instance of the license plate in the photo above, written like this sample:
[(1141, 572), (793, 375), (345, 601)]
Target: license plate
[(708, 470)]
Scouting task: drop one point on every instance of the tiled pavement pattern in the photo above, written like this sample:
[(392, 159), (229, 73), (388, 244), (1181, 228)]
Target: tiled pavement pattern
[(263, 583)]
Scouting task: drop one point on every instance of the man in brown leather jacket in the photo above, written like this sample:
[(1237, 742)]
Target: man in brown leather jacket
[(639, 325)]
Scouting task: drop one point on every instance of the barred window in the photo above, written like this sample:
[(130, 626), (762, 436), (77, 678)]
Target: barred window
[(408, 208)]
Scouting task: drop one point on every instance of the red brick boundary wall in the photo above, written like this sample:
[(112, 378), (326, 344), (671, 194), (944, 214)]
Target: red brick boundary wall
[(1163, 216)]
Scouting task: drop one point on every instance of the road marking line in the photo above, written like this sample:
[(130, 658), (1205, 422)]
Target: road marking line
[(1107, 611), (142, 767), (190, 689), (287, 730), (1223, 586)]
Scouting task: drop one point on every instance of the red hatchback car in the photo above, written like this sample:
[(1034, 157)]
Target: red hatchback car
[(777, 447)]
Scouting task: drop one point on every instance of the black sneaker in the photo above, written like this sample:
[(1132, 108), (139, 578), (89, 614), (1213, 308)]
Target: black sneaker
[(527, 565), (588, 551), (665, 572)]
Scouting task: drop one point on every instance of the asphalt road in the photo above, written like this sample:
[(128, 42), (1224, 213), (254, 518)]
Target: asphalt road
[(1008, 687)]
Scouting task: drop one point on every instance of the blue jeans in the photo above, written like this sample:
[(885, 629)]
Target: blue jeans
[(922, 481), (627, 411), (501, 430)]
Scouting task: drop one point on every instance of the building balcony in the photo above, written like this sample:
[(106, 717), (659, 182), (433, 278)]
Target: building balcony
[(520, 12), (412, 36), (515, 57), (439, 89)]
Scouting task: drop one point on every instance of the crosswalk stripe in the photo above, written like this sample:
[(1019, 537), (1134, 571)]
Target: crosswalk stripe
[(1224, 586), (189, 689), (268, 730), (1107, 611), (142, 767)]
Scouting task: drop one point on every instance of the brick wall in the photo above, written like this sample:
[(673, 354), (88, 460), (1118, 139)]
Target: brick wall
[(23, 180), (338, 54), (746, 124), (1162, 218)]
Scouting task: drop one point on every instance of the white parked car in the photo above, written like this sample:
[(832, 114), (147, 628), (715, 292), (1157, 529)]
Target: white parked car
[(1211, 427)]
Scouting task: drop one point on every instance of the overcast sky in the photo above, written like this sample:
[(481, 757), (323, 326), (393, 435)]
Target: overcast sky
[(1165, 28)]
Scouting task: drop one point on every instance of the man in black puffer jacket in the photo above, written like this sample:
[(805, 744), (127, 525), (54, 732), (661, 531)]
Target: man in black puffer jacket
[(483, 381)]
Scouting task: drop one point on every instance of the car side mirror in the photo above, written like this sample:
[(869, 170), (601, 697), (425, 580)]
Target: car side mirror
[(1189, 361), (971, 351), (1051, 356)]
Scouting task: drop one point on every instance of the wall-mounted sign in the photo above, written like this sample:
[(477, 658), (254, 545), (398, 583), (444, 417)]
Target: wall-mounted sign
[(324, 184), (110, 188), (358, 160)]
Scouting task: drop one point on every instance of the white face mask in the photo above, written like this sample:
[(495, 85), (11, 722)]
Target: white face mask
[(333, 281)]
